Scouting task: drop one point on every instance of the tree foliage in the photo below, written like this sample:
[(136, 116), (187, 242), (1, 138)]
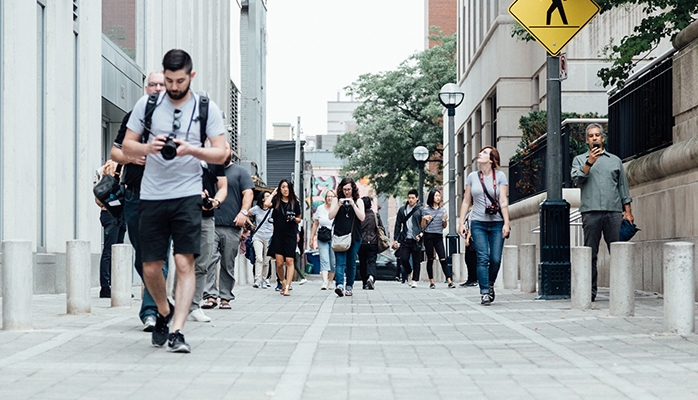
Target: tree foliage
[(400, 111), (663, 18)]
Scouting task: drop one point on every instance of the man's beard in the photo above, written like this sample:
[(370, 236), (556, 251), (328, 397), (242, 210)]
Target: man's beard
[(181, 95)]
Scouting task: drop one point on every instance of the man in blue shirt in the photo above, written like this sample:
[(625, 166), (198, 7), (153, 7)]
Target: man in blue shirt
[(605, 197)]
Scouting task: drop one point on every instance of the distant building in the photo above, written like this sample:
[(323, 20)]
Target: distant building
[(442, 14), (340, 116), (282, 131)]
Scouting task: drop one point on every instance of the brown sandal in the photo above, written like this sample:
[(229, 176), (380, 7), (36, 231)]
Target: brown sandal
[(224, 305)]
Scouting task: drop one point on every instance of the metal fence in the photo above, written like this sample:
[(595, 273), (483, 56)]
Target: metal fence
[(527, 177), (640, 114)]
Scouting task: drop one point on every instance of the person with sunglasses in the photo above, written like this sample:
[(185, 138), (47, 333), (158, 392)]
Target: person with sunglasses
[(170, 198)]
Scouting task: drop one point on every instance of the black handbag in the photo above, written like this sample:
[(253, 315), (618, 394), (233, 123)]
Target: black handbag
[(324, 234), (110, 192)]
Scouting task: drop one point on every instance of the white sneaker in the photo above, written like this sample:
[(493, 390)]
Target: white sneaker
[(264, 285), (256, 284), (413, 285), (199, 316), (324, 286), (303, 281)]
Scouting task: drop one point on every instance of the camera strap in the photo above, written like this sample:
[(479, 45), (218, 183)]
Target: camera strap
[(494, 185)]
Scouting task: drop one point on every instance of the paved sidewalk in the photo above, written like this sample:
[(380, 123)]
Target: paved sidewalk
[(391, 343)]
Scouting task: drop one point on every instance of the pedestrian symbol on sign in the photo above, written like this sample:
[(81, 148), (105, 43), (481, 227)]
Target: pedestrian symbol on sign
[(557, 4)]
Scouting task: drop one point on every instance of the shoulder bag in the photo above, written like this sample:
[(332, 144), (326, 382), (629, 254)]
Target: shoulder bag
[(383, 241), (110, 192), (343, 243), (249, 244)]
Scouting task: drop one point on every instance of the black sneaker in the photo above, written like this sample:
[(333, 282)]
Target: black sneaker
[(491, 293), (176, 343), (371, 283), (485, 300), (432, 286), (161, 330), (339, 290), (451, 285), (469, 283), (105, 293)]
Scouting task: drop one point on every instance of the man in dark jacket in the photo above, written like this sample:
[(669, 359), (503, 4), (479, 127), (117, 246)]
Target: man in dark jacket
[(407, 234)]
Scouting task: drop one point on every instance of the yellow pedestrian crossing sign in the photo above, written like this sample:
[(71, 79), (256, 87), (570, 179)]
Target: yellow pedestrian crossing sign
[(553, 23)]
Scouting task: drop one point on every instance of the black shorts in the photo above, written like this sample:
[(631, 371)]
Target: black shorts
[(178, 218)]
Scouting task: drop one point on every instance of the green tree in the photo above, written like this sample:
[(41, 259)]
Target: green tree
[(400, 111), (663, 18)]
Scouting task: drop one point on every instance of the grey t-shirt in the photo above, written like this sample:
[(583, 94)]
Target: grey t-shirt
[(480, 200), (238, 180), (436, 224), (265, 230), (181, 176)]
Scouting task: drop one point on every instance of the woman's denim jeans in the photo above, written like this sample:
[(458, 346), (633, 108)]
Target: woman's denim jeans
[(326, 255), (346, 263), (489, 242)]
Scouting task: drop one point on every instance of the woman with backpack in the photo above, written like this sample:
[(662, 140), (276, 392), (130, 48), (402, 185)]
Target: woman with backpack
[(487, 188), (368, 251), (321, 239), (260, 241)]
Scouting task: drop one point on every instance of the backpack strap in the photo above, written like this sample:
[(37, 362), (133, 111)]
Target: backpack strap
[(148, 119), (203, 115)]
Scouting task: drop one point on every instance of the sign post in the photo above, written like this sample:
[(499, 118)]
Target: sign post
[(553, 23)]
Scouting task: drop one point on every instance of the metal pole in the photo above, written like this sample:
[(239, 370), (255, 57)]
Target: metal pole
[(554, 148), (297, 165), (421, 181), (452, 238), (452, 171)]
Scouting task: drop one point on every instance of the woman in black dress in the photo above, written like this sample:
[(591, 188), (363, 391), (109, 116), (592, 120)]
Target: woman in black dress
[(287, 215)]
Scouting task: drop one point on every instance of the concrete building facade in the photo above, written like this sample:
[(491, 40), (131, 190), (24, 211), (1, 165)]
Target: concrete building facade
[(253, 49), (74, 89)]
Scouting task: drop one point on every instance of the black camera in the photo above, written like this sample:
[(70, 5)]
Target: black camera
[(345, 202), (290, 216), (491, 210), (169, 150), (208, 204)]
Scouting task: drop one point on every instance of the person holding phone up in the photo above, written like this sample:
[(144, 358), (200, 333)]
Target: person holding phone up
[(605, 197)]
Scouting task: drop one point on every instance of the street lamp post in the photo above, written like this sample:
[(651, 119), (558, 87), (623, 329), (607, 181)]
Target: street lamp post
[(450, 97), (421, 154)]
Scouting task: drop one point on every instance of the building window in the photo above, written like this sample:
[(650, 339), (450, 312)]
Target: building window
[(119, 24)]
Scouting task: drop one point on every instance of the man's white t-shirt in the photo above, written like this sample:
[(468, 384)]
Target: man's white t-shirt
[(181, 176)]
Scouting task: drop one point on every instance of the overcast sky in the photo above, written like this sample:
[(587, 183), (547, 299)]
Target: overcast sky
[(317, 47)]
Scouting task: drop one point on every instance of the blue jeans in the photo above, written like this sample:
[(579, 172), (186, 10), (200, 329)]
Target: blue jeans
[(346, 262), (489, 242), (326, 255), (132, 198), (114, 231)]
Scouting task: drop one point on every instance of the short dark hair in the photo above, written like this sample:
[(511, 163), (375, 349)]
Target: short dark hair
[(367, 202), (260, 198), (414, 192), (177, 59), (430, 198)]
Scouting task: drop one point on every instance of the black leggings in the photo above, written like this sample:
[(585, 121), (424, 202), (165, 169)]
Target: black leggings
[(435, 241)]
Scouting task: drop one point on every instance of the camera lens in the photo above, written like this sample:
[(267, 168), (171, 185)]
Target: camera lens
[(169, 150)]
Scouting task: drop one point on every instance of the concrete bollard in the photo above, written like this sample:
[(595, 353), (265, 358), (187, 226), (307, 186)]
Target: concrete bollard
[(527, 266), (510, 267), (456, 262), (679, 290), (78, 276), (622, 284), (581, 278), (17, 285), (121, 275)]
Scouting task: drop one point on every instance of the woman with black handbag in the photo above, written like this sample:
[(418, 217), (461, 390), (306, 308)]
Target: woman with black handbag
[(434, 220), (348, 212), (487, 188), (321, 239)]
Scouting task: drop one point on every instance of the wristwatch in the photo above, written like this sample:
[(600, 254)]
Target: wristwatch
[(244, 212), (589, 164)]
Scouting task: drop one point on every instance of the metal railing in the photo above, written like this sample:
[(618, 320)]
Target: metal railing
[(640, 114)]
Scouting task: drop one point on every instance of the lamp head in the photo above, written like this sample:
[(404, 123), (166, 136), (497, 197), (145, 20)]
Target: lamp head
[(451, 95), (420, 153)]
